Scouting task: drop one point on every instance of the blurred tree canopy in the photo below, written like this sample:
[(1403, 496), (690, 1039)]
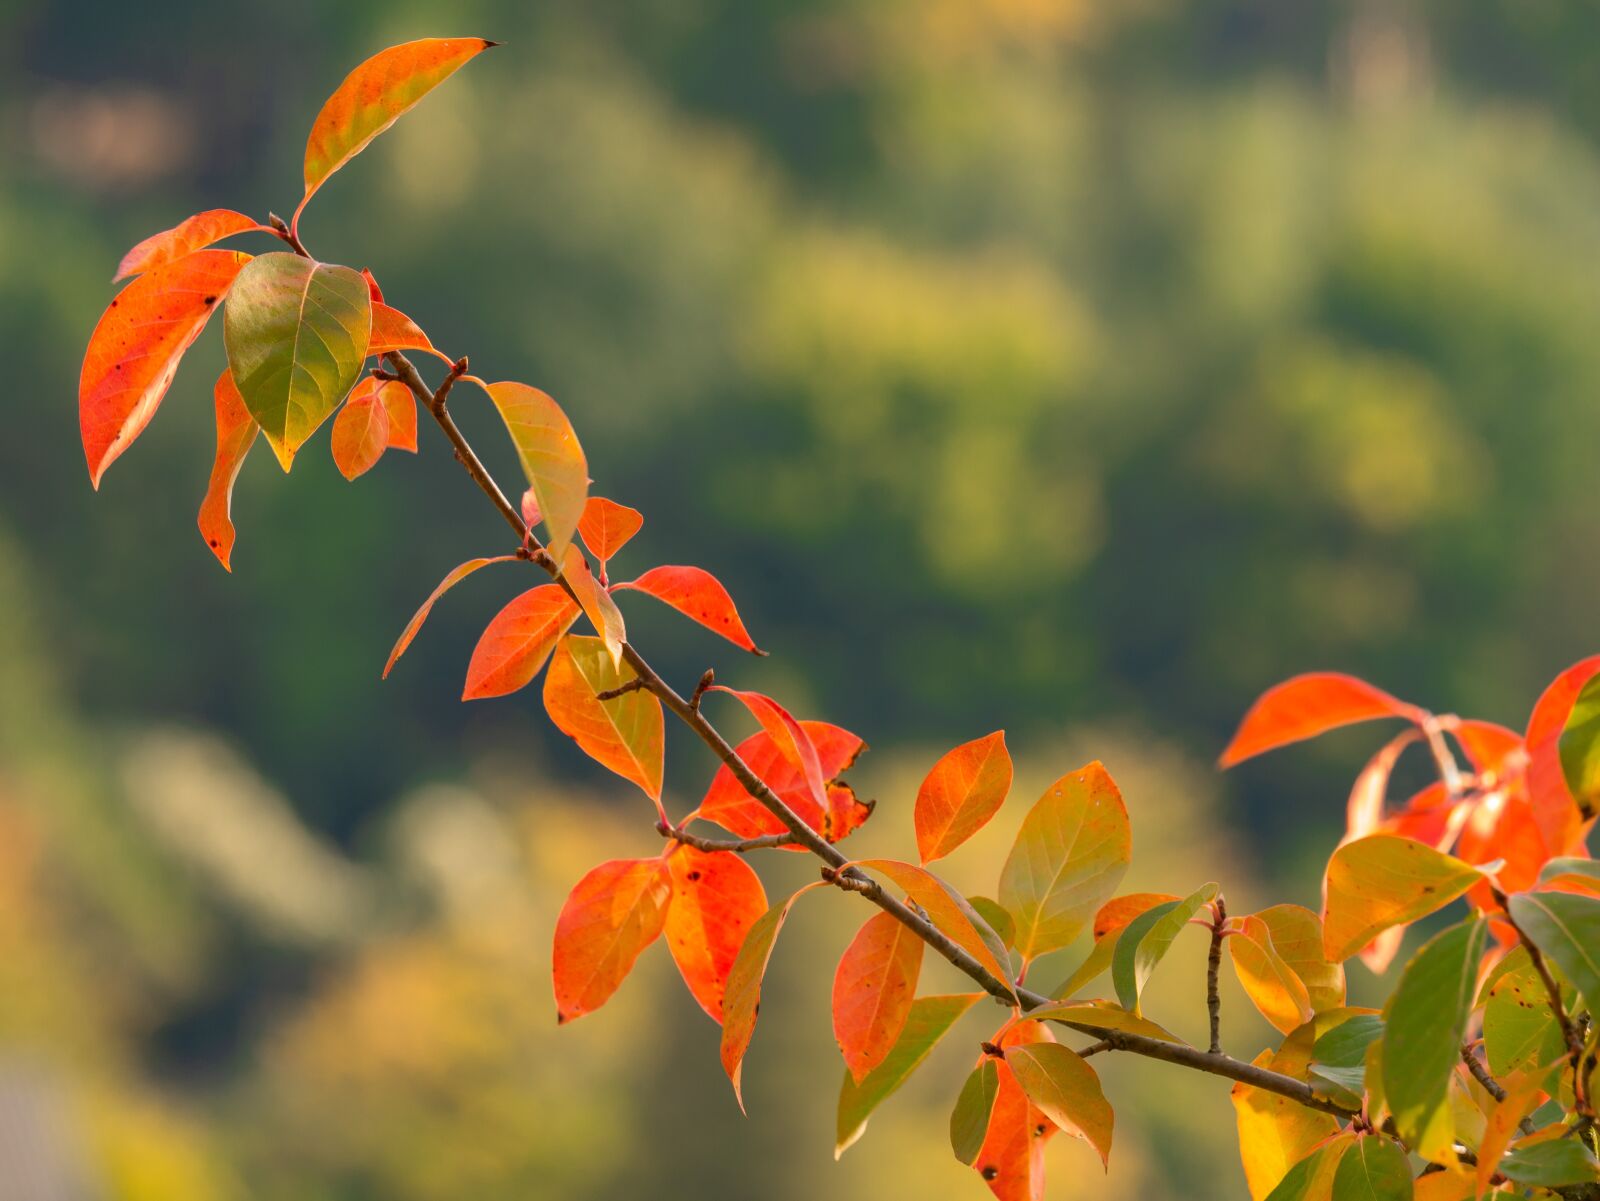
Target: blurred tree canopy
[(1016, 363)]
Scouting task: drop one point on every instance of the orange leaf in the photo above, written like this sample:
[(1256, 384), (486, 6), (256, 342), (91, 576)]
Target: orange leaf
[(624, 734), (949, 911), (1275, 1133), (360, 433), (597, 604), (1487, 744), (421, 615), (607, 527), (518, 640), (716, 898), (236, 430), (401, 407), (1269, 982), (962, 792), (731, 807), (135, 349), (1554, 807), (615, 912), (1382, 881), (393, 330), (196, 233), (1297, 937), (373, 96), (551, 458), (847, 812), (873, 988), (696, 594), (1011, 1160), (1119, 911), (742, 999), (1364, 811), (373, 289), (1306, 706), (789, 739)]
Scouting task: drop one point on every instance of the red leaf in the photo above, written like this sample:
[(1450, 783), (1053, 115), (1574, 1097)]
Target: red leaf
[(716, 898), (373, 289), (196, 233), (625, 734), (615, 912), (735, 810), (518, 640), (1554, 807), (421, 615), (360, 433), (872, 991), (1306, 706), (846, 814), (401, 407), (135, 349), (962, 792), (1487, 744), (696, 594), (606, 527), (236, 430), (790, 740)]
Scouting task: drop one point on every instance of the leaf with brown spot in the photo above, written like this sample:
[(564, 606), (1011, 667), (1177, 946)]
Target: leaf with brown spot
[(236, 431), (1379, 882), (136, 347), (613, 914), (696, 594), (716, 898), (873, 988)]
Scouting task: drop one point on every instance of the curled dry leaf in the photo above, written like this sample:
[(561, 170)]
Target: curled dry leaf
[(136, 347), (236, 432)]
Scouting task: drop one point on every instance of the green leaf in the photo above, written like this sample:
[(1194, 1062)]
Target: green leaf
[(1375, 1169), (1339, 1056), (1066, 1090), (1070, 854), (1146, 940), (547, 446), (1097, 961), (929, 1021), (969, 1120), (999, 919), (296, 333), (1312, 1178), (1568, 868), (1566, 927), (1424, 1024), (1520, 1031), (1553, 1163), (1579, 747)]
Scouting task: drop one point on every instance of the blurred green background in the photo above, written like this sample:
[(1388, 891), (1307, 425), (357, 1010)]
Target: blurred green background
[(1074, 369)]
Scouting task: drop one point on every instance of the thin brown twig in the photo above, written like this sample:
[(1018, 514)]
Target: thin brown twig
[(1493, 1087), (737, 846), (1213, 967)]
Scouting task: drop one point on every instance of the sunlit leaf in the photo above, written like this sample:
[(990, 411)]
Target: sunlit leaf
[(1061, 1084), (1374, 1169), (962, 792), (137, 344), (1306, 706), (969, 1120), (1101, 1015), (615, 912), (930, 1019), (716, 898), (1522, 1096), (1382, 881), (550, 455), (626, 733), (296, 333), (998, 917), (606, 527), (1069, 856), (789, 739), (401, 407), (1297, 937), (517, 641), (421, 615), (873, 988), (948, 910), (1275, 1133), (742, 998), (360, 433), (597, 604), (730, 806), (1146, 940), (1425, 1022), (236, 433), (1566, 927), (1109, 921), (1269, 982), (696, 594), (1011, 1160), (373, 96), (195, 233), (1364, 810), (1487, 744), (1312, 1178), (1558, 811), (1520, 1031), (1339, 1055)]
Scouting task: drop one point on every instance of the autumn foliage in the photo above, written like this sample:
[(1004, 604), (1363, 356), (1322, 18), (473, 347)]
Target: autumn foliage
[(1477, 1075)]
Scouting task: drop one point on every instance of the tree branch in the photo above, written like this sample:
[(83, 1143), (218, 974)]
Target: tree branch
[(1480, 1073), (737, 845)]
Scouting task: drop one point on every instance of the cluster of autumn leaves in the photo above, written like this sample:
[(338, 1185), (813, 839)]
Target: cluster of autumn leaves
[(1516, 980)]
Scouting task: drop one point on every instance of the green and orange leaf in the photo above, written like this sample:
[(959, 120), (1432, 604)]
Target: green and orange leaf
[(597, 604), (626, 733), (1379, 882), (547, 446), (742, 999)]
